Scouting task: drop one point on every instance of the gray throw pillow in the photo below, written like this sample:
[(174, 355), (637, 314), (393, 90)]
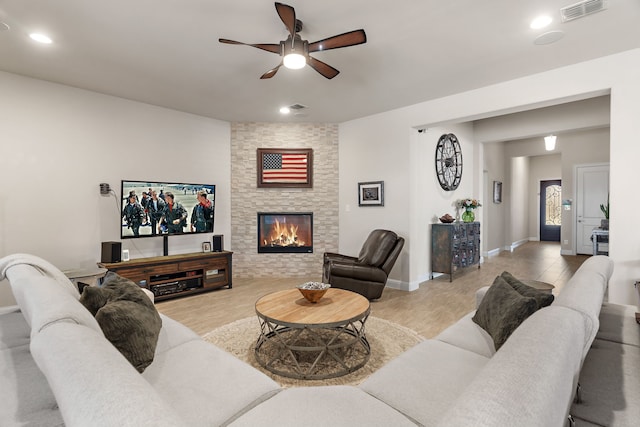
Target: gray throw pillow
[(502, 310), (126, 316), (543, 299)]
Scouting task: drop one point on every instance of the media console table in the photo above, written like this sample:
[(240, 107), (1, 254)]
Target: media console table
[(177, 275)]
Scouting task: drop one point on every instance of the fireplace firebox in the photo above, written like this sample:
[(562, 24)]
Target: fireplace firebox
[(285, 232)]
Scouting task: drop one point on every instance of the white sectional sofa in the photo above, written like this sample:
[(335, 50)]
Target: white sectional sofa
[(56, 368)]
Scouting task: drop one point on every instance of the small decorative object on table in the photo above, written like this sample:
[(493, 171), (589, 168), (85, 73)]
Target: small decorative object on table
[(468, 205), (313, 291), (447, 219)]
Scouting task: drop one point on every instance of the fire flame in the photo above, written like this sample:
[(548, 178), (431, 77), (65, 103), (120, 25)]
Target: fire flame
[(283, 236)]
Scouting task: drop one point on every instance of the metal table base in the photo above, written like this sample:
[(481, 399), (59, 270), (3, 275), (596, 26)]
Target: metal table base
[(312, 352)]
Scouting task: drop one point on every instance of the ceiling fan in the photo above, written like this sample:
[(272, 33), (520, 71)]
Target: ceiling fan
[(295, 51)]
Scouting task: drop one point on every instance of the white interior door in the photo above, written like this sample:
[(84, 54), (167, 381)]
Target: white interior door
[(592, 189)]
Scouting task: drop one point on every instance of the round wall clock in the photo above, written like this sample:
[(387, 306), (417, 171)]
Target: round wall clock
[(449, 162)]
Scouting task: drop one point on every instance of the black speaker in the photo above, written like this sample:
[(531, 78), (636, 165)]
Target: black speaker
[(111, 251), (218, 243)]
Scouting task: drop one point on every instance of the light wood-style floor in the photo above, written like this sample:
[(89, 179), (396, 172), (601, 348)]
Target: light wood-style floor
[(429, 310)]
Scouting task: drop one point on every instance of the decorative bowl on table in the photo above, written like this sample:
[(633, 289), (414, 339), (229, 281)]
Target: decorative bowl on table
[(447, 219), (313, 291)]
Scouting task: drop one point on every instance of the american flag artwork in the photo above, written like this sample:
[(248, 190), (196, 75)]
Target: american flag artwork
[(284, 168)]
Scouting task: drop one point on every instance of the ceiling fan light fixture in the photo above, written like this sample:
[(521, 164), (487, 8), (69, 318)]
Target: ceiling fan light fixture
[(40, 38), (294, 61), (550, 142), (541, 21)]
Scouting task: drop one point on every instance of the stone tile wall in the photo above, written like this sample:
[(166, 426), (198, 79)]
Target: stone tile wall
[(247, 200)]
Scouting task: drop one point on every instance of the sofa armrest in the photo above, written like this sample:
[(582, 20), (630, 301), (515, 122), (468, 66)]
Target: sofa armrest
[(357, 271), (331, 256), (93, 383)]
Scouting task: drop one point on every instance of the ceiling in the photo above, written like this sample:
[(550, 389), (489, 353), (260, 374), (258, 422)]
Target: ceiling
[(166, 53)]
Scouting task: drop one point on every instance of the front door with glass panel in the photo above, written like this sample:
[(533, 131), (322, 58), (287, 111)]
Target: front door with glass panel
[(550, 210)]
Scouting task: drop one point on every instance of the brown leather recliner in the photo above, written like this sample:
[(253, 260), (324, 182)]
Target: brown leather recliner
[(367, 274)]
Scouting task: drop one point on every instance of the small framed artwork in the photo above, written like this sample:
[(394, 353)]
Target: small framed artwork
[(285, 167), (371, 193), (206, 246), (497, 191)]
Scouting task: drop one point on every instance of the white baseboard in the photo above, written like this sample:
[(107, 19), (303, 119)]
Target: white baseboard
[(407, 286), (493, 252), (514, 245), (400, 285), (567, 252)]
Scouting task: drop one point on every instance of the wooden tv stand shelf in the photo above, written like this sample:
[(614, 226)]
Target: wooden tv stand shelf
[(175, 276)]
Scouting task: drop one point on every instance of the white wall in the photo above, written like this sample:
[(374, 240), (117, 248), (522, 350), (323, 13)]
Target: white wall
[(368, 152), (616, 74), (495, 214), (58, 143), (518, 231)]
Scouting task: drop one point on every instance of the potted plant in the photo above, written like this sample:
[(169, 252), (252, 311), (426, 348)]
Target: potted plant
[(604, 223)]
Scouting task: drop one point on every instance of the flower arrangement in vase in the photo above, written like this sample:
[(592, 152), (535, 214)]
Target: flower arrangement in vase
[(468, 205)]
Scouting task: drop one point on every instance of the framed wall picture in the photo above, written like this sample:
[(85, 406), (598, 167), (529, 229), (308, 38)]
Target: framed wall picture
[(497, 191), (285, 167), (371, 193)]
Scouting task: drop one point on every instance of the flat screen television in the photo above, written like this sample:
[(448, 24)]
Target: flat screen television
[(176, 208)]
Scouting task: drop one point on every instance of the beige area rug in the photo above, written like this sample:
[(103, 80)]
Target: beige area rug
[(387, 340)]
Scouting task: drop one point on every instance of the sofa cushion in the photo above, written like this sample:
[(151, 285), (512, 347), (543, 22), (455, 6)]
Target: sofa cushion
[(502, 310), (543, 299), (322, 406), (43, 303), (127, 317), (25, 397), (618, 324), (530, 381), (95, 386), (467, 334), (585, 292), (424, 381), (206, 385), (610, 385)]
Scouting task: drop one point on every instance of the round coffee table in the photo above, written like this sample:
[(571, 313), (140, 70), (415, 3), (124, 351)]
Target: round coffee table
[(537, 284), (304, 340)]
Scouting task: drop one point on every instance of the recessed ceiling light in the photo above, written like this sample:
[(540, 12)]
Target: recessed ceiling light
[(285, 110), (541, 22), (40, 38)]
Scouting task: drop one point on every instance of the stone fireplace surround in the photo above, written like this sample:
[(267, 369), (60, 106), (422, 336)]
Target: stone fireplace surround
[(247, 200)]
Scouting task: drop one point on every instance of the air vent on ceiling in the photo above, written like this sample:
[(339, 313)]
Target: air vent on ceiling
[(582, 9)]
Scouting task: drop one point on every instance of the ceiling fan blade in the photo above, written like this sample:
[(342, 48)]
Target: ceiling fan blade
[(288, 16), (269, 47), (325, 69), (351, 38), (272, 72)]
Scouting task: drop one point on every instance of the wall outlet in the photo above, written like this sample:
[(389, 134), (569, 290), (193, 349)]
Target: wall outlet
[(566, 242)]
